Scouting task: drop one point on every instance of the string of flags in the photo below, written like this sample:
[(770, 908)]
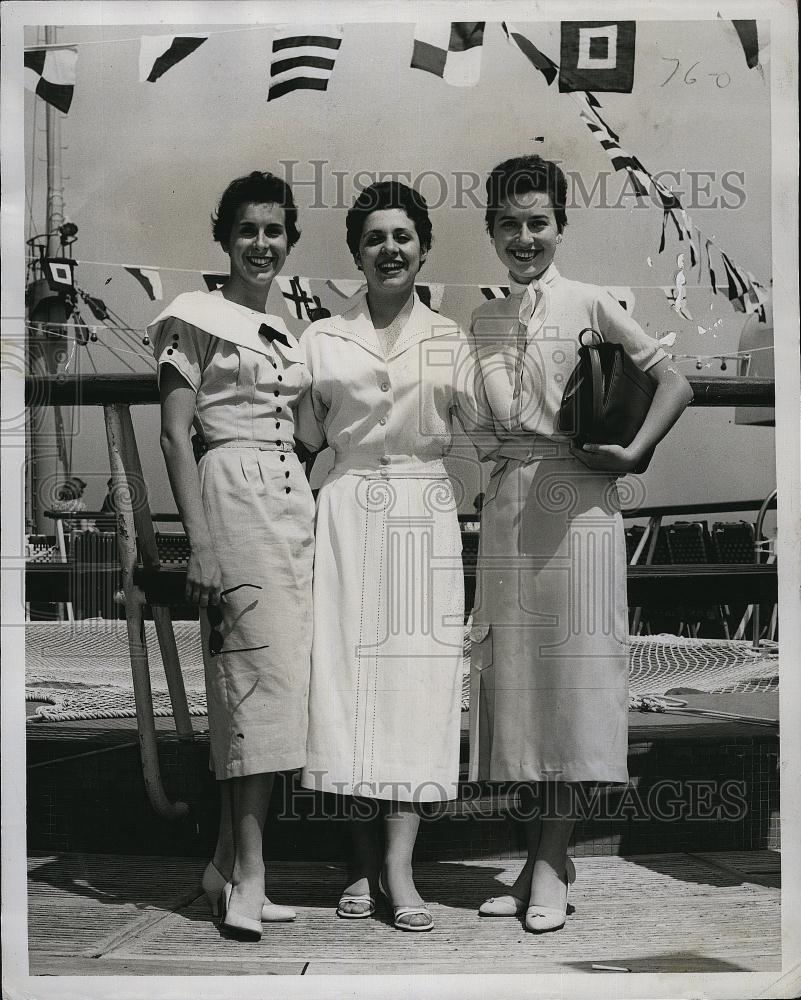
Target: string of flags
[(608, 58), (303, 303), (594, 56)]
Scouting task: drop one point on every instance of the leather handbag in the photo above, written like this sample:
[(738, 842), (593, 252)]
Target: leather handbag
[(607, 397)]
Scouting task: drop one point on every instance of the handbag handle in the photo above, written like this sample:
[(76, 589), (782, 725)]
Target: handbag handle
[(592, 333), (595, 372)]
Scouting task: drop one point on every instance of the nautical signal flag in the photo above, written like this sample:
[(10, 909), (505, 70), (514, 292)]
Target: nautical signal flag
[(50, 73), (749, 39), (491, 292), (150, 279), (543, 63), (158, 53), (302, 61), (622, 295), (214, 280), (299, 298), (451, 50), (597, 56), (431, 295), (60, 274)]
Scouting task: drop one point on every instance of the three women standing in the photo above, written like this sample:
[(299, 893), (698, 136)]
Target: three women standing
[(379, 384), (234, 374)]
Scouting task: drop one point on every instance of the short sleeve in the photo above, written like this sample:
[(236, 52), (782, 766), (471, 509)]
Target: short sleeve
[(310, 412), (618, 327), (183, 346)]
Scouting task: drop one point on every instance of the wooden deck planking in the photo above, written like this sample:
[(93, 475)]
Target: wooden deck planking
[(661, 913)]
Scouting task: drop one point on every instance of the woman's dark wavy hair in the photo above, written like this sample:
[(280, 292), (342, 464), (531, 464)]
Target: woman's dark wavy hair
[(523, 174), (388, 194), (260, 188)]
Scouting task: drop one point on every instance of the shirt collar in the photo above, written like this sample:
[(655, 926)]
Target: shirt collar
[(549, 276)]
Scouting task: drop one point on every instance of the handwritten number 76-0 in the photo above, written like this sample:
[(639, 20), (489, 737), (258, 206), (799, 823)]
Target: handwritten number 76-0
[(721, 79)]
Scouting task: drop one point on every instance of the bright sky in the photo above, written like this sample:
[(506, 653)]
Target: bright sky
[(145, 162)]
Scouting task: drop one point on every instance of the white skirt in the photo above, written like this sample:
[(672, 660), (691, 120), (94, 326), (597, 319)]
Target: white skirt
[(385, 697)]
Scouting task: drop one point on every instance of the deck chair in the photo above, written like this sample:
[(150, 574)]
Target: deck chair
[(689, 543), (646, 546), (734, 542)]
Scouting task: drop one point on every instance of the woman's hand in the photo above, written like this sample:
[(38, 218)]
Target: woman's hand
[(203, 577), (610, 458)]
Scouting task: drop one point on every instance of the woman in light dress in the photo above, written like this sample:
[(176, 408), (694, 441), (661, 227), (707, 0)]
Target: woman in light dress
[(234, 373), (384, 710), (549, 672)]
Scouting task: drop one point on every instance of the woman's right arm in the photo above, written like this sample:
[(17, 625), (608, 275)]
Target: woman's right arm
[(203, 578)]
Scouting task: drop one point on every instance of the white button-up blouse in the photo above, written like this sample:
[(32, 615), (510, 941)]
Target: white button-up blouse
[(389, 414)]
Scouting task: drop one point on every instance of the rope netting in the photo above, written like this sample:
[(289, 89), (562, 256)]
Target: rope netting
[(82, 670)]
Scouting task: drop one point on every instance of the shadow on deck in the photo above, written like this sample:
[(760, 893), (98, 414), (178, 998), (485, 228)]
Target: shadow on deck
[(123, 915)]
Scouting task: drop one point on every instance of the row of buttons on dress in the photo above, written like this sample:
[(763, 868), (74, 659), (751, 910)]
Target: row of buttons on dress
[(385, 459), (279, 409)]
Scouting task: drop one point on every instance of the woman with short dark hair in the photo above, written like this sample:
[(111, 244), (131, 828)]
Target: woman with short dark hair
[(385, 699), (235, 374), (549, 671)]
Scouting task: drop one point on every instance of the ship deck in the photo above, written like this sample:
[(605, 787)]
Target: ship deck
[(105, 915)]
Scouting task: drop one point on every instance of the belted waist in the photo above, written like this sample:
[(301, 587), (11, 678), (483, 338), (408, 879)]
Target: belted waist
[(388, 466), (535, 448), (257, 445)]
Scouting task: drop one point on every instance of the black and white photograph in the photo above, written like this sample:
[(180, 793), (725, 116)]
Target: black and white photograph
[(401, 480)]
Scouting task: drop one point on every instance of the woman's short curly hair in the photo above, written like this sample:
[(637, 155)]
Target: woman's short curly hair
[(521, 175), (383, 195), (258, 188)]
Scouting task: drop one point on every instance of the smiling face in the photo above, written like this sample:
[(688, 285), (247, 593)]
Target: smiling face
[(257, 249), (525, 234), (389, 252)]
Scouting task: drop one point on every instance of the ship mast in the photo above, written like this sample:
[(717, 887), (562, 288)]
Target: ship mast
[(48, 460)]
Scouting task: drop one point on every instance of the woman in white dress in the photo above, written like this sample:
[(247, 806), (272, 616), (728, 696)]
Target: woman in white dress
[(234, 373), (549, 670), (384, 709)]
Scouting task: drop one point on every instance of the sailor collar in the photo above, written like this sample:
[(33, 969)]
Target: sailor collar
[(218, 317)]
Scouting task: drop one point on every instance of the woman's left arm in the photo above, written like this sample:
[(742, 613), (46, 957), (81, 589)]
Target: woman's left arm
[(673, 391)]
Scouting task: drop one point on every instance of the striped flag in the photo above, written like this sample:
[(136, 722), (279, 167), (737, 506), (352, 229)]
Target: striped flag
[(546, 66), (494, 291), (431, 295), (158, 53), (302, 61), (610, 143), (50, 74), (150, 279), (451, 50), (737, 281)]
